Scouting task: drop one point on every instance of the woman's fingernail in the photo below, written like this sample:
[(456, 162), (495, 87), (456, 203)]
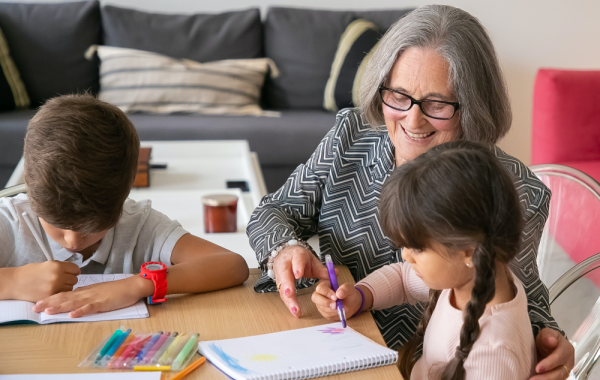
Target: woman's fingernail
[(294, 310), (297, 273), (287, 292), (541, 370)]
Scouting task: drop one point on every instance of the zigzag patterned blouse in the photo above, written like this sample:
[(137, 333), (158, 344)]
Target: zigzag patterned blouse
[(335, 195)]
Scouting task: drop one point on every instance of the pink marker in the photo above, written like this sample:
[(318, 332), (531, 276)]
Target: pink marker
[(119, 362), (155, 348)]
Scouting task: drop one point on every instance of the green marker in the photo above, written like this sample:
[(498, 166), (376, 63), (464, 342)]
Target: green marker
[(107, 345), (185, 351)]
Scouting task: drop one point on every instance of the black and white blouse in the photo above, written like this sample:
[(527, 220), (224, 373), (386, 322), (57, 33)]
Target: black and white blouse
[(336, 194)]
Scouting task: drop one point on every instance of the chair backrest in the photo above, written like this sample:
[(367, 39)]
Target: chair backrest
[(566, 116), (575, 304), (13, 190), (572, 231)]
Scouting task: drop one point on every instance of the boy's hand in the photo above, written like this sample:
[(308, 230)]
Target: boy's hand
[(97, 298), (37, 281), (324, 298)]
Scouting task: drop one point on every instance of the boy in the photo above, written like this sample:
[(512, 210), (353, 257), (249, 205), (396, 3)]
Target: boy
[(80, 161)]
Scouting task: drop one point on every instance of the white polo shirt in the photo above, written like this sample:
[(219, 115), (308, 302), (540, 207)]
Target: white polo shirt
[(141, 235)]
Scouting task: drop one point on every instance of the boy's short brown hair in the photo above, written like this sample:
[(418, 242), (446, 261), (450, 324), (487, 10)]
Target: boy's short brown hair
[(80, 161)]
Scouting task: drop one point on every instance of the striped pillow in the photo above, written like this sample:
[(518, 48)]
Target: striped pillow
[(12, 90), (356, 46), (141, 81)]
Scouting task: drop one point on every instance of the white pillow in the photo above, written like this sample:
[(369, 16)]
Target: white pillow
[(136, 80)]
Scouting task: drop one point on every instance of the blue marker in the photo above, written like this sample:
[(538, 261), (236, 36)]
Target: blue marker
[(147, 348), (118, 342)]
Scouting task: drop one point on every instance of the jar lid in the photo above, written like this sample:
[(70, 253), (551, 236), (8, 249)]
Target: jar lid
[(216, 200)]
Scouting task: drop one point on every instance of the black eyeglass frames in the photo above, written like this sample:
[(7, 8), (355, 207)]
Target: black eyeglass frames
[(435, 109)]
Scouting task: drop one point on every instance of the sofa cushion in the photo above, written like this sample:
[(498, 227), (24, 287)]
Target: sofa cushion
[(12, 90), (351, 57), (302, 43), (136, 80), (47, 43), (199, 37)]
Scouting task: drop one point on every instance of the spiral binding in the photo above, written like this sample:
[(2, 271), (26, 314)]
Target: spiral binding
[(331, 369)]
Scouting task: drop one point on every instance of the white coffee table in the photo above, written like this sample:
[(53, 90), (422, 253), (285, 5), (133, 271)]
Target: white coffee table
[(195, 169)]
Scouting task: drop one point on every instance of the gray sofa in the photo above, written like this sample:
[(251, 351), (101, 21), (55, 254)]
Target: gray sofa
[(47, 42)]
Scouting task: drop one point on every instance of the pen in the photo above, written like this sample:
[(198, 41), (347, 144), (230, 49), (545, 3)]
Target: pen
[(173, 350), (164, 347), (140, 355), (115, 346), (108, 344), (185, 351), (190, 368), (150, 354), (334, 286)]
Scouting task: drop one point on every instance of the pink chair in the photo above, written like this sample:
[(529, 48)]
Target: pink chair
[(566, 120)]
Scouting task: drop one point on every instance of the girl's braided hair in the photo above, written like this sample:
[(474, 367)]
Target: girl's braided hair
[(458, 195)]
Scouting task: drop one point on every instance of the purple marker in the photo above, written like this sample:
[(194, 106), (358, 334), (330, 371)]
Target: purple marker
[(335, 286)]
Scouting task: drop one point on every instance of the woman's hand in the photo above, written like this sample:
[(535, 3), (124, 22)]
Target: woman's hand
[(292, 263), (554, 353), (324, 298)]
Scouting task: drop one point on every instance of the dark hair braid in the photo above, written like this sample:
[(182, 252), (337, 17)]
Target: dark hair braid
[(482, 293), (406, 360)]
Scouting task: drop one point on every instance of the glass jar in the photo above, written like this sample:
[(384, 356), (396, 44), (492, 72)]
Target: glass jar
[(220, 213)]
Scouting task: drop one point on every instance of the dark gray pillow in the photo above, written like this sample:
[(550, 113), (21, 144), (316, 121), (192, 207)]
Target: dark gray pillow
[(199, 37), (47, 43), (302, 43)]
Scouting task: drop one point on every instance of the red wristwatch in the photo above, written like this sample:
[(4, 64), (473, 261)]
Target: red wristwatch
[(157, 272)]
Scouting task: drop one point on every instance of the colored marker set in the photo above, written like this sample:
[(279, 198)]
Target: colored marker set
[(161, 351)]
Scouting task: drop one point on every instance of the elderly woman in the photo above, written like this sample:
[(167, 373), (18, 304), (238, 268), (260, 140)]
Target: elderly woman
[(433, 78)]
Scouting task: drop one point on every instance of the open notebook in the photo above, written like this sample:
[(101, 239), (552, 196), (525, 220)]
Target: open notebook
[(297, 354), (21, 311)]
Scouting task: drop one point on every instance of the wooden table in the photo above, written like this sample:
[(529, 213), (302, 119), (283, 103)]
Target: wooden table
[(230, 313)]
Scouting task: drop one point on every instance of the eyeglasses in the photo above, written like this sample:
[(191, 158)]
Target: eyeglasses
[(435, 109)]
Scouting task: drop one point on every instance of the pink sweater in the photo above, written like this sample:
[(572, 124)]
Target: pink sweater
[(505, 349)]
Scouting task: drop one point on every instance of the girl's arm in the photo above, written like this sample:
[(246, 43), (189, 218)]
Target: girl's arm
[(389, 286)]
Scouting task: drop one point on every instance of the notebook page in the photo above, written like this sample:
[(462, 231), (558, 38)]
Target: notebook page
[(14, 310), (138, 310), (324, 349)]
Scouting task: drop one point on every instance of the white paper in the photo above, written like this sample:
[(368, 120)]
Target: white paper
[(13, 310), (321, 350), (88, 376)]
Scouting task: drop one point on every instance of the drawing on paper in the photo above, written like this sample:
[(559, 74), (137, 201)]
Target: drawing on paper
[(229, 360), (332, 331), (263, 358)]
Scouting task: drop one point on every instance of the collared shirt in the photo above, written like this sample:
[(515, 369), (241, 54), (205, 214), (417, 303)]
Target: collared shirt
[(335, 195), (142, 234)]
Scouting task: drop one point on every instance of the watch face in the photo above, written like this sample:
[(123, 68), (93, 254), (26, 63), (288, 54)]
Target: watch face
[(153, 267)]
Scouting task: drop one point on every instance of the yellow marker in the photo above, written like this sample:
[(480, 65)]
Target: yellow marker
[(173, 350), (152, 368)]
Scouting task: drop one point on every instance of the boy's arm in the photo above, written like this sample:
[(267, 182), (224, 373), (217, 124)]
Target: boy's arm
[(198, 266), (36, 281)]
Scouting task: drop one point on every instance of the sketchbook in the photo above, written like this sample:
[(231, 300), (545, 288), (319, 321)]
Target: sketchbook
[(13, 311), (297, 354)]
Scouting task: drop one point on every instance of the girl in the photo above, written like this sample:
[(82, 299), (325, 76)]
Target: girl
[(456, 212)]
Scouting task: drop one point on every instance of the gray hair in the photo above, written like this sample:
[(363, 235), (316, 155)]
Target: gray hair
[(474, 72)]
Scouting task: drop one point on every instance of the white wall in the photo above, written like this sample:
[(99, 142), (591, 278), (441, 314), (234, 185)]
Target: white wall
[(528, 34)]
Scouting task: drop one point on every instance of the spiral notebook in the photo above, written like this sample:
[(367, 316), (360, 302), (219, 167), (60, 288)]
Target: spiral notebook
[(297, 354)]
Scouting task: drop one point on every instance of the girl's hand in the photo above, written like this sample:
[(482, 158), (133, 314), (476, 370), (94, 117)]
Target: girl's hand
[(324, 298), (97, 298), (293, 263)]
